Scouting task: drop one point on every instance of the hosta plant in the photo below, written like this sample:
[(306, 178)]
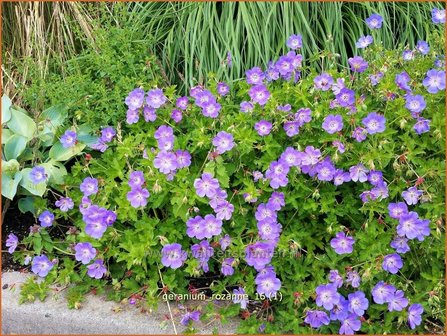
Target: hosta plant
[(309, 201)]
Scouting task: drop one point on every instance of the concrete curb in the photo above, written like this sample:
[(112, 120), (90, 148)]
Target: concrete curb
[(97, 316)]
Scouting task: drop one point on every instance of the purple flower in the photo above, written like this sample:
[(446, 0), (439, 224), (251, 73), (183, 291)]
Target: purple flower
[(212, 226), (265, 213), (37, 175), (276, 201), (358, 303), (190, 316), (132, 116), (303, 115), (84, 252), (380, 191), (292, 128), (195, 227), (374, 21), (165, 137), (415, 310), (284, 66), (99, 146), (325, 170), (415, 103), (359, 134), (138, 197), (269, 230), (149, 113), (229, 60), (396, 210), (211, 110), (349, 325), (135, 99), (333, 123), (375, 177), (408, 55), (435, 81), (353, 278), (183, 158), (41, 265), (107, 134), (206, 185), (335, 278), (165, 162), (316, 318), (284, 108), (227, 268), (411, 226), (272, 72), (225, 242), (338, 86), (364, 41), (358, 173), (341, 177), (202, 251), (437, 16), (295, 42), (65, 204), (68, 139), (277, 173), (203, 98), (224, 210), (267, 284), (46, 219), (345, 97), (97, 269), (327, 296), (422, 47), (400, 244), (383, 292), (375, 78), (12, 243), (223, 142), (422, 126), (358, 64), (311, 156), (340, 311), (89, 186), (173, 256), (259, 94), (239, 296), (392, 263), (95, 218), (155, 98), (223, 89), (397, 301), (259, 254), (402, 79), (291, 157), (110, 217), (246, 107), (342, 244), (323, 82), (412, 195), (136, 179), (182, 103), (263, 127), (255, 76), (374, 123), (176, 115)]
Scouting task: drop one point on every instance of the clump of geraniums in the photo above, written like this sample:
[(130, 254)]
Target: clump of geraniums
[(319, 195)]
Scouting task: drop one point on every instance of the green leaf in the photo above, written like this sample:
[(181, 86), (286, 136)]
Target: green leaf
[(35, 189), (59, 153), (21, 124), (9, 185), (6, 112), (26, 204), (87, 139), (15, 146)]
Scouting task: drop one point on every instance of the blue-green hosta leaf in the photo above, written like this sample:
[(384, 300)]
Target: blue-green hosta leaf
[(9, 184), (26, 204), (21, 124), (56, 172), (59, 153), (54, 116), (15, 146), (35, 189), (10, 167), (6, 112), (6, 134)]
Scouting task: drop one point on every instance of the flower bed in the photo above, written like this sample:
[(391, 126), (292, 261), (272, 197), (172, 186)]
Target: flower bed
[(316, 200)]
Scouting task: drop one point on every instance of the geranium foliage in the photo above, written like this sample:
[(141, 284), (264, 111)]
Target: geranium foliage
[(319, 195)]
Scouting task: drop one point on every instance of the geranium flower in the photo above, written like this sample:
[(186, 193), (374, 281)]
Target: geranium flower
[(383, 292), (374, 21), (84, 252), (97, 269), (12, 243), (316, 318), (46, 218), (414, 312), (223, 142), (37, 174), (333, 123), (41, 265), (342, 244), (263, 127), (155, 98), (64, 204), (392, 263), (173, 256)]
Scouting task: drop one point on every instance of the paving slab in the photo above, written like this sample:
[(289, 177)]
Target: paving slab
[(97, 316)]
